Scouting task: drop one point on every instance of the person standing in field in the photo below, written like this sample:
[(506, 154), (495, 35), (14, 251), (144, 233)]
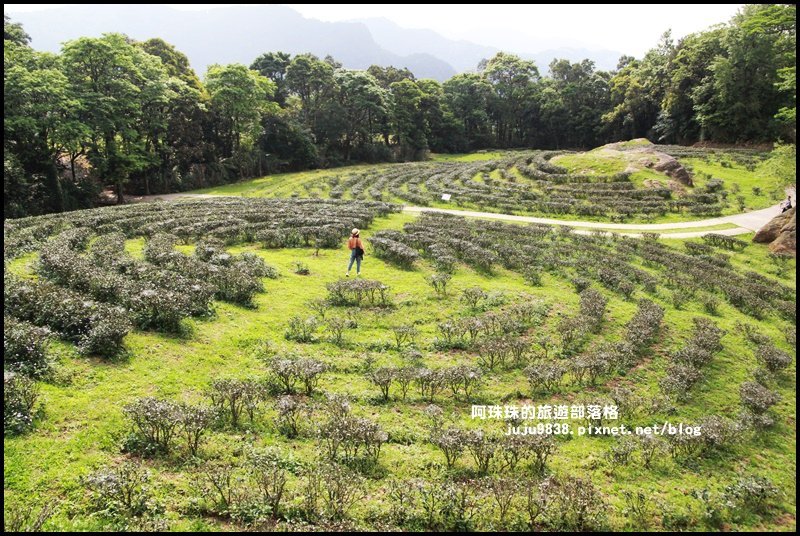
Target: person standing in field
[(356, 252)]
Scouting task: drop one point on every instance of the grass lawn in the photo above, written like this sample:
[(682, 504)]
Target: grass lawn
[(769, 190), (83, 426)]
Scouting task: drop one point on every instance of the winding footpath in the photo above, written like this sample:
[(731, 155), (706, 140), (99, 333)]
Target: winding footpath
[(746, 222)]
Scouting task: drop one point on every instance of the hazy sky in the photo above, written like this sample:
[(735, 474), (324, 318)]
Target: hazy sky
[(631, 29)]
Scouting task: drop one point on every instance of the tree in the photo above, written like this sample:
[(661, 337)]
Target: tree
[(637, 91), (408, 119), (362, 106), (21, 195), (238, 96), (513, 81), (779, 21), (41, 118), (554, 114), (288, 141), (574, 105), (175, 138), (14, 33), (467, 97), (333, 62), (744, 91), (689, 72), (311, 79), (175, 62), (442, 130), (386, 76), (273, 65), (787, 115), (117, 83)]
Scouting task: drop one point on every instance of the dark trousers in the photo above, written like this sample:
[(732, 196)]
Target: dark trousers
[(354, 259)]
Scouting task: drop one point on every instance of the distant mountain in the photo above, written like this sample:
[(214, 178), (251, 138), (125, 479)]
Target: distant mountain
[(241, 33), (224, 35), (605, 60), (463, 55)]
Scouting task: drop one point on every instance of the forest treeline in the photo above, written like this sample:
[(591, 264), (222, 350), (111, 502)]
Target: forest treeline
[(134, 116)]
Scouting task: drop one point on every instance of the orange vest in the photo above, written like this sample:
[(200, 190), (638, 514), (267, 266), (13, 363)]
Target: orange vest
[(353, 242)]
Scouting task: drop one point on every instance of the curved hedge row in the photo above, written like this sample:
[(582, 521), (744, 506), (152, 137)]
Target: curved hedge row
[(91, 291), (613, 261), (96, 328), (526, 182)]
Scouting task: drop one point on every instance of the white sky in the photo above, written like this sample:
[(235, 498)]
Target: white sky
[(631, 29)]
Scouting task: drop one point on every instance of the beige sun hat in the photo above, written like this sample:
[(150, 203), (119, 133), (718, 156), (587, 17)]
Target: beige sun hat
[(354, 232)]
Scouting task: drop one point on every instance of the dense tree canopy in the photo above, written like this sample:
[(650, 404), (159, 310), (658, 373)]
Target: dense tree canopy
[(121, 90), (133, 117), (238, 96), (273, 65)]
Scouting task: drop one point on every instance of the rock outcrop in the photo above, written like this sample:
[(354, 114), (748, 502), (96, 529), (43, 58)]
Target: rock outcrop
[(780, 233), (672, 168)]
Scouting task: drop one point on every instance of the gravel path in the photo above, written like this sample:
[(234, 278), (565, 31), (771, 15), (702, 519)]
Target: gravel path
[(166, 197)]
